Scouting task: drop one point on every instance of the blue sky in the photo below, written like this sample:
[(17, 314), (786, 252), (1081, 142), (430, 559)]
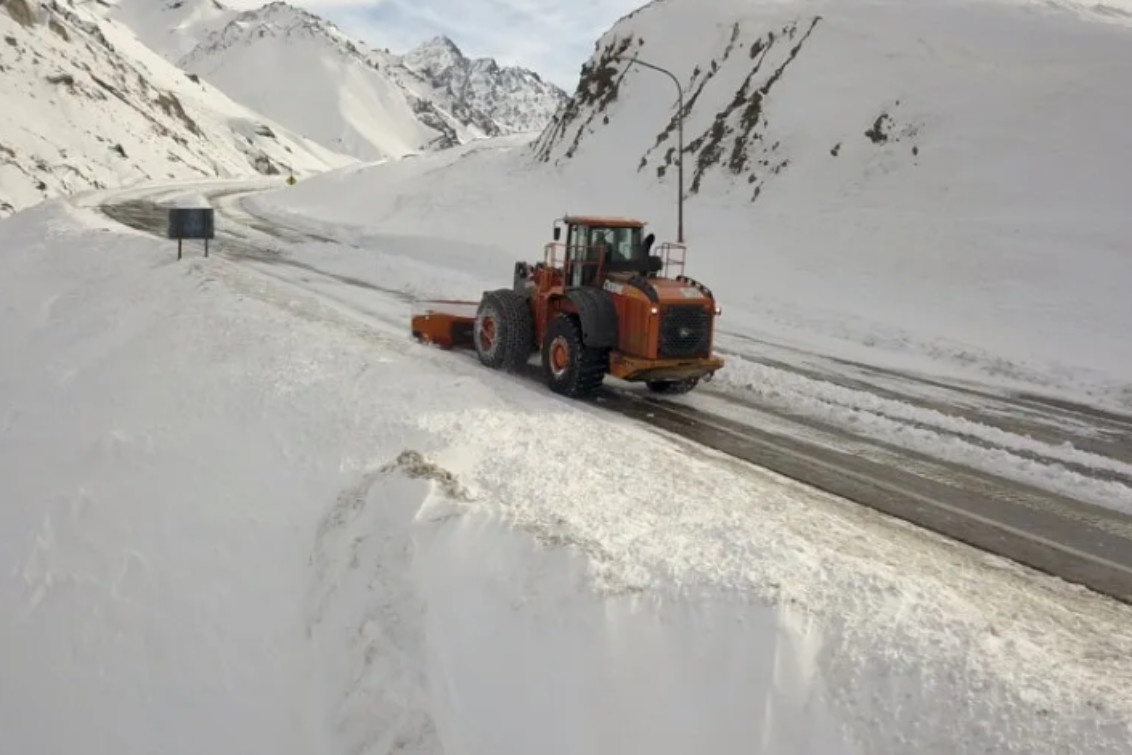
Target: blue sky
[(552, 37)]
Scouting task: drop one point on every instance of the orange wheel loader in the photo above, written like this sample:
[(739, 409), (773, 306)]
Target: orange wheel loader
[(601, 302)]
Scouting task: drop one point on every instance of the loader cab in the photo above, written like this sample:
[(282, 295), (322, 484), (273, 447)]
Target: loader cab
[(619, 244)]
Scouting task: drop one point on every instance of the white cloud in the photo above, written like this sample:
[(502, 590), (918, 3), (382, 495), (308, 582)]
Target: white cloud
[(552, 37)]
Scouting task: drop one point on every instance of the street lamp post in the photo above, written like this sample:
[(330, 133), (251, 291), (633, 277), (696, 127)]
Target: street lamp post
[(679, 140)]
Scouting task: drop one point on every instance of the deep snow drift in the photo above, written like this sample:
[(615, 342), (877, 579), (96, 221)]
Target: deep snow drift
[(243, 515), (940, 185)]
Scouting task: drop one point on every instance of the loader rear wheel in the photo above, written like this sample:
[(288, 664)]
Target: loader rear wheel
[(571, 368), (672, 387), (503, 333)]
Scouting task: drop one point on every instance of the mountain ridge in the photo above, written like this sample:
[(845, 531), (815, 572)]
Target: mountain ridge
[(88, 107), (433, 96)]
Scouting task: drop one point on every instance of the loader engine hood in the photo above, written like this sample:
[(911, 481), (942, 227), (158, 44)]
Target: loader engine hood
[(660, 291)]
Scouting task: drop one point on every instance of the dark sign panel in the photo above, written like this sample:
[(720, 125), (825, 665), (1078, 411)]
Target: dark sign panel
[(191, 223)]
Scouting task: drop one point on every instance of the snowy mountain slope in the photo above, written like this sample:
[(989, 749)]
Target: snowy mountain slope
[(86, 106), (828, 103), (172, 27), (299, 69), (979, 227)]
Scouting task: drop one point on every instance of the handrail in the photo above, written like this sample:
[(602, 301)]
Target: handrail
[(673, 254), (667, 252), (550, 258)]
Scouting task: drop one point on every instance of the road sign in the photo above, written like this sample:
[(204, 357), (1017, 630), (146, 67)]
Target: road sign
[(191, 223)]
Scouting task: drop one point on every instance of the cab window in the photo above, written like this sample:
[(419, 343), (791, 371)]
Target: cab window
[(621, 244)]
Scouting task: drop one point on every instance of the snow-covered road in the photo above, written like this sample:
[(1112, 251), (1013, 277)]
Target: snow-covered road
[(1002, 472), (247, 513), (1046, 441)]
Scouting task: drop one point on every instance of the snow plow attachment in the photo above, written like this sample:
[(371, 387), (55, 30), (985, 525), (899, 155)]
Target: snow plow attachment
[(444, 323)]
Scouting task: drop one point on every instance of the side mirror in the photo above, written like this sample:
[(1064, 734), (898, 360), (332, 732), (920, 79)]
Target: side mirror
[(648, 242), (655, 264), (557, 232)]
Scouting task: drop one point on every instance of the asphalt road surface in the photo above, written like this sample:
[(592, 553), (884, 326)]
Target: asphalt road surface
[(1057, 534)]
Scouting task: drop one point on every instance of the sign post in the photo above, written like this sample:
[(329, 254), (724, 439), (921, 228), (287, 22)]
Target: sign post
[(191, 223)]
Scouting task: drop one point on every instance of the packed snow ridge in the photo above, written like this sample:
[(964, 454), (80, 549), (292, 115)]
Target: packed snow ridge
[(300, 68), (85, 106)]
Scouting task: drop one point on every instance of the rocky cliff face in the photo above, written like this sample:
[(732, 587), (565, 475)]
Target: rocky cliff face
[(728, 130)]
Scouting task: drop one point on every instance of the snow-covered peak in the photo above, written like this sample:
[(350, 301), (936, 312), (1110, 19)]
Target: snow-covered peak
[(279, 20), (434, 56), (497, 99), (305, 72)]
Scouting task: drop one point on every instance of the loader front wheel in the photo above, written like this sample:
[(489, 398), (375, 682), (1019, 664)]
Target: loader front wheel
[(504, 330), (571, 368)]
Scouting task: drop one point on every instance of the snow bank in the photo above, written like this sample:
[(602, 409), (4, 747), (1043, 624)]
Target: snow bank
[(214, 540), (575, 621), (572, 672), (474, 637), (167, 446)]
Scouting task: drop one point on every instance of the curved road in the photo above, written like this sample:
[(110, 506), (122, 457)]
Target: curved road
[(1054, 533)]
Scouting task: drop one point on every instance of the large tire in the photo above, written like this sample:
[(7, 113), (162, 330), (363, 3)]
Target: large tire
[(571, 368), (504, 331), (672, 387)]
